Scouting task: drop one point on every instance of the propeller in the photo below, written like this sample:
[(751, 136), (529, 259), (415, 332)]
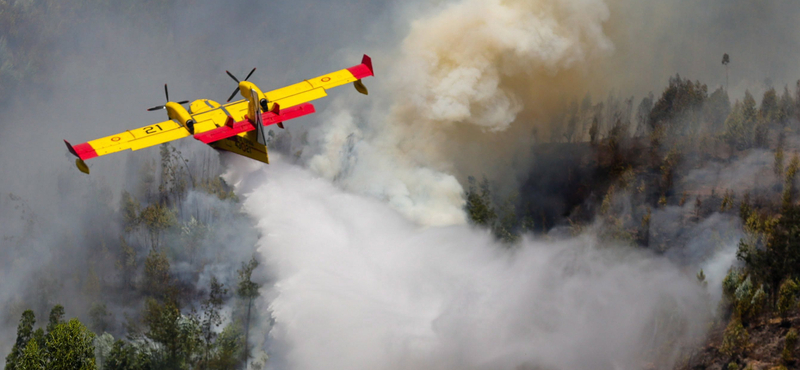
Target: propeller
[(166, 93), (237, 81)]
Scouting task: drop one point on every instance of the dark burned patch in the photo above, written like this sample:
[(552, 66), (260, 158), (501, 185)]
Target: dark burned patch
[(569, 180)]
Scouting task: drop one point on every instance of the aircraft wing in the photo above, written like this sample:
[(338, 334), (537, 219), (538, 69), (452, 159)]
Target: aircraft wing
[(211, 122), (139, 138), (314, 88)]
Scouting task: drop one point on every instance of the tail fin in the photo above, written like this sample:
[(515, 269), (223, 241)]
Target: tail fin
[(259, 121)]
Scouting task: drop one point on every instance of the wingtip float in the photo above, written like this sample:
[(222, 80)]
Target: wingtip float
[(237, 127)]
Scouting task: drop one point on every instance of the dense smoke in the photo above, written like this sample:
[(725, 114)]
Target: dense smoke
[(369, 289), (473, 85), (465, 71), (477, 62)]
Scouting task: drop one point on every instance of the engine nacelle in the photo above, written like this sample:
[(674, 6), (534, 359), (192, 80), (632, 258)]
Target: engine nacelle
[(177, 112)]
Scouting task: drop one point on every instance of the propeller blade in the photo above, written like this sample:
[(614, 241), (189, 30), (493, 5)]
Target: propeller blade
[(232, 76), (166, 92), (234, 93), (249, 74), (183, 102), (155, 108)]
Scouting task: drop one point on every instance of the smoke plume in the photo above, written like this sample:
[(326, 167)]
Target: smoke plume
[(464, 69), (358, 286)]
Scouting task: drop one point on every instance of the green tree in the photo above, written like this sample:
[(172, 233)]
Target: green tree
[(770, 109), (126, 264), (163, 322), (247, 289), (787, 297), (479, 203), (126, 357), (789, 344), (716, 109), (788, 186), (157, 280), (749, 107), (33, 358), (668, 168), (739, 130), (174, 173), (69, 347), (777, 167), (103, 344), (679, 102), (735, 339), (229, 348), (56, 317), (100, 317), (776, 255), (505, 229), (129, 208), (211, 315), (643, 115), (787, 109), (726, 59), (24, 336), (157, 218)]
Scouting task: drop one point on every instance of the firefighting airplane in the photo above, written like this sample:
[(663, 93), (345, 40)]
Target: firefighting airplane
[(235, 127)]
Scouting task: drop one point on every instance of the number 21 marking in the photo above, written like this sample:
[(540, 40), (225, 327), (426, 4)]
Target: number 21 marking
[(150, 130)]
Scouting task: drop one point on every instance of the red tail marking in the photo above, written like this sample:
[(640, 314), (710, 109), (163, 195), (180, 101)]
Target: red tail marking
[(83, 151), (364, 69)]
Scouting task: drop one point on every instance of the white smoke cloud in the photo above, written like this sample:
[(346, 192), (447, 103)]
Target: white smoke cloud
[(376, 167), (460, 62), (358, 286), (468, 62)]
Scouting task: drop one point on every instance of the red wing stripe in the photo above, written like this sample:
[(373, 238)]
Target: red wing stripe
[(268, 118), (223, 132)]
